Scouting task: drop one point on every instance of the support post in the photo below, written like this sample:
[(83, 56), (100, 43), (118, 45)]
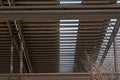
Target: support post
[(115, 58), (11, 56), (21, 57), (12, 47), (21, 60)]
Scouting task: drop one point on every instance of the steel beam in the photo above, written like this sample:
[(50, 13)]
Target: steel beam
[(114, 32), (63, 7), (12, 47), (60, 12), (25, 51), (47, 76), (51, 76), (21, 57), (11, 55), (15, 44), (115, 57), (23, 48)]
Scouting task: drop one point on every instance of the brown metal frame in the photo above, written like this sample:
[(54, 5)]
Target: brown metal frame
[(47, 76), (25, 51), (12, 47), (22, 44), (115, 58), (94, 12), (16, 13)]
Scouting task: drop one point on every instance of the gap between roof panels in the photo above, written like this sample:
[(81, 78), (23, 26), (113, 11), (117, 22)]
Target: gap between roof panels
[(68, 38), (118, 1), (70, 1)]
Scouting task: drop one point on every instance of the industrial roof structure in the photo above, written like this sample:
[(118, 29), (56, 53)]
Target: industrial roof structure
[(55, 36)]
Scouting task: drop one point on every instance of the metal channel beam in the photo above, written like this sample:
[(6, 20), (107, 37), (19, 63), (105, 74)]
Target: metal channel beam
[(63, 7), (48, 76), (26, 54), (14, 43), (115, 30), (21, 57), (115, 57), (61, 12), (23, 45), (12, 47)]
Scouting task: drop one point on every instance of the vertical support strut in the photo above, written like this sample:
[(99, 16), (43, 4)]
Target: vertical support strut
[(11, 56), (24, 50), (21, 59), (12, 47), (115, 58)]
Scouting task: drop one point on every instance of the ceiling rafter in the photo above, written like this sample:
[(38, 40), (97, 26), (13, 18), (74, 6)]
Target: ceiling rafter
[(101, 11)]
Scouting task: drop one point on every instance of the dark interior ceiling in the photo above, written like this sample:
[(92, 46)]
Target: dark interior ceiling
[(41, 39)]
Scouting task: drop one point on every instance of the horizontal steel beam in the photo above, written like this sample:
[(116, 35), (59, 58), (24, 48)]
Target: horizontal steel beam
[(47, 76), (60, 12), (61, 7)]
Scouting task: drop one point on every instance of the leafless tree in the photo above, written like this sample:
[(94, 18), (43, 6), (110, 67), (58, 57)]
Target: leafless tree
[(104, 72)]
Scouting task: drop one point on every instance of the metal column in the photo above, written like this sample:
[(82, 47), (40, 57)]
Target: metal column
[(115, 58), (11, 56), (21, 57), (21, 60)]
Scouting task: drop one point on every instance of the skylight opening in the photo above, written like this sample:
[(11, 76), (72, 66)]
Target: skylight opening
[(68, 31), (68, 41), (118, 1), (71, 28), (113, 19), (67, 24), (66, 52), (70, 1), (68, 38), (68, 35), (71, 47), (69, 21), (67, 44)]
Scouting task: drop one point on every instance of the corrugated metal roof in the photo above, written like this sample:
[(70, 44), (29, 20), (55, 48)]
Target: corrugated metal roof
[(53, 45)]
